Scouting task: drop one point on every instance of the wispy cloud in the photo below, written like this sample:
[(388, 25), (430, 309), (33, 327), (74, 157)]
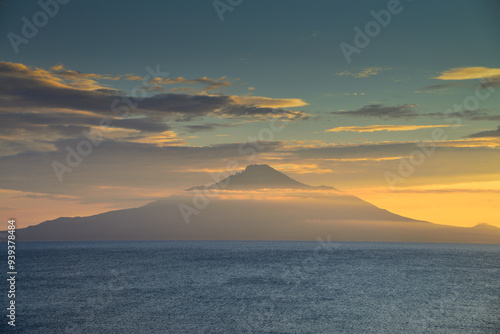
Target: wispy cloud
[(463, 187), (208, 83), (366, 72), (468, 73), (373, 128), (207, 127), (267, 102), (41, 107), (22, 87), (486, 134), (382, 111)]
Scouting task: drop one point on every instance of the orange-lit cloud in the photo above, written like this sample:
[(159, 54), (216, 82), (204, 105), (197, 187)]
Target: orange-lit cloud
[(492, 142), (373, 128), (365, 159), (267, 102), (165, 138), (301, 168), (468, 73), (60, 88)]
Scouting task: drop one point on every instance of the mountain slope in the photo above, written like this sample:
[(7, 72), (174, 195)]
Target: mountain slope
[(258, 177), (268, 212)]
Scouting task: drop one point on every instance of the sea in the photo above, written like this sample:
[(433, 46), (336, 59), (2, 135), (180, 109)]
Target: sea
[(254, 287)]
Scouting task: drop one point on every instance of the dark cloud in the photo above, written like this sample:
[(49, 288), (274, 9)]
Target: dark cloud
[(441, 86), (141, 165), (21, 87), (492, 82), (107, 91), (492, 133), (486, 118), (114, 163), (33, 93), (206, 127), (465, 114), (379, 110), (407, 111), (68, 130), (61, 103), (68, 124), (142, 124), (45, 196)]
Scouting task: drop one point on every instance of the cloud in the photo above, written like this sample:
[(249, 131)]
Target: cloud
[(379, 110), (38, 108), (260, 113), (360, 93), (443, 86), (206, 127), (491, 82), (156, 168), (301, 168), (407, 111), (445, 191), (388, 149), (458, 187), (491, 142), (373, 128), (267, 102), (366, 72), (483, 117), (67, 74), (468, 73), (146, 165), (68, 123), (464, 114), (23, 88), (492, 133), (210, 84)]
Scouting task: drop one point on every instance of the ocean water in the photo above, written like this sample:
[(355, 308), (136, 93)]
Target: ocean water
[(256, 287)]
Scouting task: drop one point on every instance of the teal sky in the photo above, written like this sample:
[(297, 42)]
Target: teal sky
[(283, 49)]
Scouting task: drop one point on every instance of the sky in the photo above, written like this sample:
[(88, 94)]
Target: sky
[(107, 105)]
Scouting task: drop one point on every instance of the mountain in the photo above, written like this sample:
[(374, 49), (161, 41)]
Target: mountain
[(258, 177), (259, 203)]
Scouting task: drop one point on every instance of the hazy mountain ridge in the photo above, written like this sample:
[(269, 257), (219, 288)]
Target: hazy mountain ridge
[(290, 215)]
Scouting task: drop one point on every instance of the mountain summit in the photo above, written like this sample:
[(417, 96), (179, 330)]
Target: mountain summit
[(258, 177), (297, 215)]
